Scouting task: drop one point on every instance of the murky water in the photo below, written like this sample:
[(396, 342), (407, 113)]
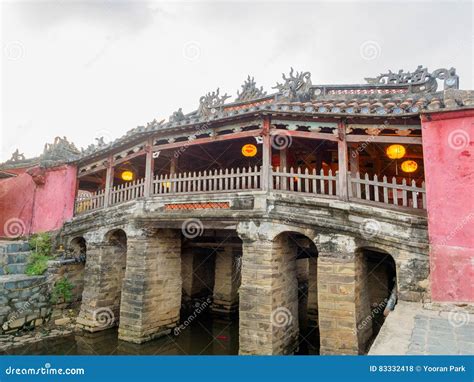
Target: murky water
[(207, 336)]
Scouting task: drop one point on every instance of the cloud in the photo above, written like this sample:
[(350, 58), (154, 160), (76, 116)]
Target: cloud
[(129, 15)]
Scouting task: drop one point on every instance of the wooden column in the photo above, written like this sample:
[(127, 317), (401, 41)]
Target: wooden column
[(149, 168), (353, 164), (266, 154), (109, 181), (342, 160), (173, 165), (283, 158), (353, 159)]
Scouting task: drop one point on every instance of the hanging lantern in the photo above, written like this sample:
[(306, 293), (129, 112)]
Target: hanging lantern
[(409, 166), (396, 151), (249, 150), (127, 175)]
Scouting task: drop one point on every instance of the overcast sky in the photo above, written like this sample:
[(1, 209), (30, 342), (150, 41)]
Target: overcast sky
[(100, 68)]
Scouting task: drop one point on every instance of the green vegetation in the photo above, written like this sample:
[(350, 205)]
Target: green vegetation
[(62, 291), (40, 245)]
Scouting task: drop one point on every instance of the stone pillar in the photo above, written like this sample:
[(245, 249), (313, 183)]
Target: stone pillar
[(312, 292), (343, 309), (227, 282), (103, 277), (151, 298), (187, 258), (268, 294)]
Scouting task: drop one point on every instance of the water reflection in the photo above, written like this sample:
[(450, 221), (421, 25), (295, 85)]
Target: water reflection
[(207, 336)]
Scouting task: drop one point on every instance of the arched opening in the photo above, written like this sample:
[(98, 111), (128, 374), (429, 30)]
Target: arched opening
[(117, 263), (74, 271), (299, 256), (78, 249), (378, 283), (210, 272)]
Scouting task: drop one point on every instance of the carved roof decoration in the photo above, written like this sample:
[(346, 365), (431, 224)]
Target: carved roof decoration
[(389, 95), (420, 80), (297, 87), (210, 103), (250, 91), (54, 154)]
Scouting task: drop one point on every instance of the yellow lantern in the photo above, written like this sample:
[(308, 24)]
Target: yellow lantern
[(127, 175), (409, 166), (249, 150), (396, 151)]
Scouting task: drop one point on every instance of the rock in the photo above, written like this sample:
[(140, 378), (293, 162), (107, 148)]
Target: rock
[(62, 321)]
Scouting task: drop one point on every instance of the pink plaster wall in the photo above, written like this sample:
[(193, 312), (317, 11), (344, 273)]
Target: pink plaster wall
[(27, 207), (448, 151)]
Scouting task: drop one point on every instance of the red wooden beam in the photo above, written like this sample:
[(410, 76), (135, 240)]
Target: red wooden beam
[(203, 141)]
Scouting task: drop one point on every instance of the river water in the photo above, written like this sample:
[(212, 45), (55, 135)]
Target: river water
[(204, 336)]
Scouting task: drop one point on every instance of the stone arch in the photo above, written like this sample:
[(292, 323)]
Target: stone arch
[(77, 247), (114, 260), (378, 287), (303, 251)]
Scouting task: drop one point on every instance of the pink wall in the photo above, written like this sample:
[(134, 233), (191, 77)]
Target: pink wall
[(36, 201), (448, 150)]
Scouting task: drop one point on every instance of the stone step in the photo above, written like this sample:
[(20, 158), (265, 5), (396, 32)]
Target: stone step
[(18, 257), (13, 246), (15, 269)]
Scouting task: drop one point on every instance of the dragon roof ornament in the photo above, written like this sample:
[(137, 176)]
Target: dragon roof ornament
[(177, 116), (250, 91), (420, 80), (60, 149), (209, 103), (16, 157), (297, 87)]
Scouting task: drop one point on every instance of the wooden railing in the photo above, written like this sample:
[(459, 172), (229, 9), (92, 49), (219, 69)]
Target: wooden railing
[(208, 181), (127, 191), (90, 202), (398, 194), (302, 181)]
